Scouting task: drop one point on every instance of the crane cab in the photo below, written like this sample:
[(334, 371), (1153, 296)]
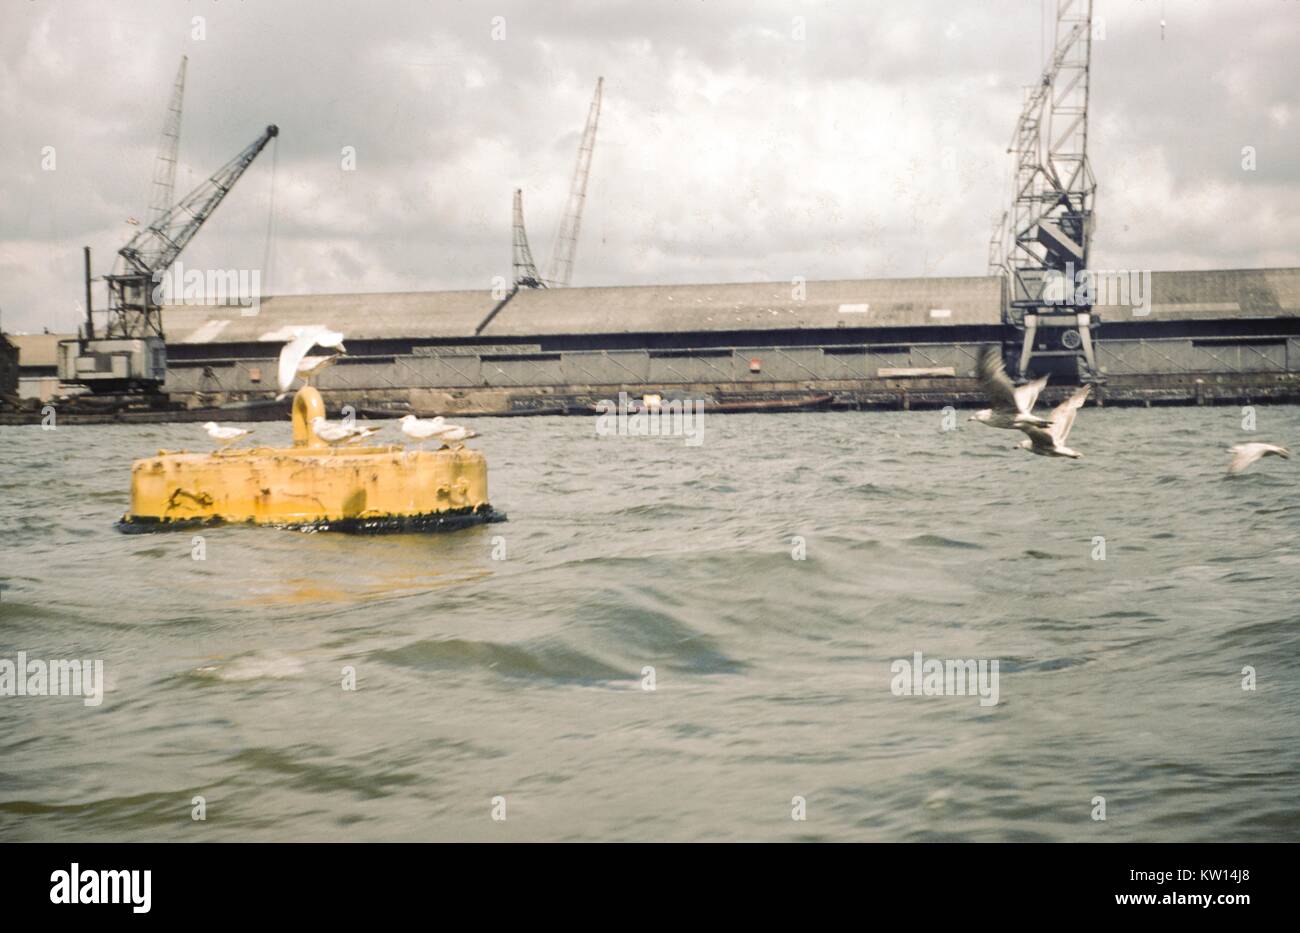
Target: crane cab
[(114, 364)]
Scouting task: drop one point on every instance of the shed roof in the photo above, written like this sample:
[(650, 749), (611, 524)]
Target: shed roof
[(1216, 294)]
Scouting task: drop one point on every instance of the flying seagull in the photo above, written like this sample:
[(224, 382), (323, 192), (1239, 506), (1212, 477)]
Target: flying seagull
[(1050, 441), (292, 356), (1012, 408), (1243, 455), (225, 436)]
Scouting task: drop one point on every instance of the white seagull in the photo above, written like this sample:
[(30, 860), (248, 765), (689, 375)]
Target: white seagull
[(225, 436), (1243, 455), (337, 432), (1050, 441), (1012, 408), (453, 435), (292, 356), (362, 434), (421, 430), (312, 366)]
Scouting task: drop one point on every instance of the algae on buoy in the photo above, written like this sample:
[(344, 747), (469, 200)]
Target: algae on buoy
[(311, 485)]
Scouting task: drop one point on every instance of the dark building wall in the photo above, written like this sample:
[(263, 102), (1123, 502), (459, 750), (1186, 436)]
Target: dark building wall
[(8, 367), (753, 364)]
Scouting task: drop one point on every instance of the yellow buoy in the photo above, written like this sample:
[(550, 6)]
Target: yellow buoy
[(311, 485)]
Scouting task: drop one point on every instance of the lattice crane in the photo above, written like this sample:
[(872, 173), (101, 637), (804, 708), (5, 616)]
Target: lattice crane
[(1051, 217), (131, 355), (559, 272)]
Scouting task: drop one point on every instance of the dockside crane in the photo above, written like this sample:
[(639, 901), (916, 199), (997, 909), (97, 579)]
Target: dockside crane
[(559, 273), (1047, 242), (131, 355), (525, 270)]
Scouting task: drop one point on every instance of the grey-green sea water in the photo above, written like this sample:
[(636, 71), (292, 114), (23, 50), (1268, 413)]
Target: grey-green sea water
[(525, 678)]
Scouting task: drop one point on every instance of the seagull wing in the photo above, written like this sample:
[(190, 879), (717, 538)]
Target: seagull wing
[(1244, 455), (1027, 394), (329, 338), (1062, 416), (1040, 438), (291, 355), (995, 382)]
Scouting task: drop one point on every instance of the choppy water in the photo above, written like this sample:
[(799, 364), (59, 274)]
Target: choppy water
[(522, 677)]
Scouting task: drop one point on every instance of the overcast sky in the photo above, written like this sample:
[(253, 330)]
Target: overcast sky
[(729, 150)]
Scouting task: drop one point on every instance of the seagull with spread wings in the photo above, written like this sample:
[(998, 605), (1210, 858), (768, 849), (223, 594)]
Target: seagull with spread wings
[(293, 355), (1243, 455), (1050, 441), (1012, 408)]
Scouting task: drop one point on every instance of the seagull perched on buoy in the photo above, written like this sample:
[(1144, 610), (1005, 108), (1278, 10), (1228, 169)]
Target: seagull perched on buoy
[(422, 429), (437, 427), (1050, 441), (293, 355), (1012, 408), (1246, 454), (338, 432), (313, 365), (362, 434), (454, 436), (225, 436)]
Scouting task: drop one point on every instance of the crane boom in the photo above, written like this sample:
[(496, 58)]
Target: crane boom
[(560, 271), (525, 270), (156, 247), (163, 191)]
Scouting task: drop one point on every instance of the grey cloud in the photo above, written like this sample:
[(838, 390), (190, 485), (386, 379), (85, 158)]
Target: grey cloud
[(728, 150)]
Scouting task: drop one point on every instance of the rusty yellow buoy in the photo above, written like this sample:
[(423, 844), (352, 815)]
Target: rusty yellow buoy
[(311, 486)]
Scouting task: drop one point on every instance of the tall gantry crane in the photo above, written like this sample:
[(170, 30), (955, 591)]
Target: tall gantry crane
[(525, 270), (559, 273), (163, 191), (1051, 217), (131, 355)]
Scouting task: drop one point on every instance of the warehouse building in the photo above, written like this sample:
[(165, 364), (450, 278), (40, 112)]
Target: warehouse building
[(852, 339), (38, 366)]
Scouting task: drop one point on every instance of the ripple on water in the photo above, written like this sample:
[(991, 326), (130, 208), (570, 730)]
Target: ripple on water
[(546, 660)]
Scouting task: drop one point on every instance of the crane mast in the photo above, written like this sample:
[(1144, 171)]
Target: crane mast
[(163, 190), (560, 271), (1051, 218), (525, 270)]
